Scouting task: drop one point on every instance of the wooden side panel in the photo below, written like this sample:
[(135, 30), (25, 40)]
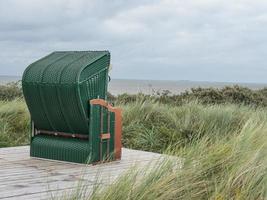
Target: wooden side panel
[(118, 124), (118, 133)]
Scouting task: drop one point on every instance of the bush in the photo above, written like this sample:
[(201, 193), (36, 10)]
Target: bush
[(207, 96), (10, 91), (234, 95)]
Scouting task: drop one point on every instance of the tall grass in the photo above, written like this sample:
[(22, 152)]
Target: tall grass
[(14, 123), (225, 169), (154, 127), (228, 160), (223, 148)]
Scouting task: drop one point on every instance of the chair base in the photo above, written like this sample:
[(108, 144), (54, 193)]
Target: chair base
[(60, 148)]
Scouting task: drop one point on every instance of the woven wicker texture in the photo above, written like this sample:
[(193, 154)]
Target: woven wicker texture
[(57, 89), (58, 148)]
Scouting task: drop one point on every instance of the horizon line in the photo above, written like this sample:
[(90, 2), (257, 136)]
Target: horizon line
[(171, 80)]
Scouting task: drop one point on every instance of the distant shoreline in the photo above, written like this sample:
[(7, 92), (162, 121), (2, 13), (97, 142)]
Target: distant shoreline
[(119, 86)]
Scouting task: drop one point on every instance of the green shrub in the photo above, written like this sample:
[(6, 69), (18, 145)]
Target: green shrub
[(207, 96), (235, 95), (10, 91)]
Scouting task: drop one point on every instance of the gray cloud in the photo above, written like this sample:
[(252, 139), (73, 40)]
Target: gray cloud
[(211, 40)]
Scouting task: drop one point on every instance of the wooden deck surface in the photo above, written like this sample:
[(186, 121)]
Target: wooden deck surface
[(23, 177)]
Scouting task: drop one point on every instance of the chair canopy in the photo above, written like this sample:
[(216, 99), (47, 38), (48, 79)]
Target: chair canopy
[(58, 87)]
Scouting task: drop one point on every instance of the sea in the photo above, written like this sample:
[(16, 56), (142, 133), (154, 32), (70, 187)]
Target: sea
[(120, 86)]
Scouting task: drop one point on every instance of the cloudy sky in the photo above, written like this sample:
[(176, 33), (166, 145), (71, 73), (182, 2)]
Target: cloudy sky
[(209, 40)]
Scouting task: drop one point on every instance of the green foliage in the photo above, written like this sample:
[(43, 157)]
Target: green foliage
[(219, 137), (14, 123), (154, 127), (231, 95), (225, 163), (10, 91), (234, 95)]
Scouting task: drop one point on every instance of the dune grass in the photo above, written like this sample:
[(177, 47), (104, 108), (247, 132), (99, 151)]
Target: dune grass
[(156, 127), (224, 157), (223, 169), (14, 123), (223, 148)]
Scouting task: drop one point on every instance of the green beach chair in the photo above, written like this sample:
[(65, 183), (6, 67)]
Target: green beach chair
[(66, 94)]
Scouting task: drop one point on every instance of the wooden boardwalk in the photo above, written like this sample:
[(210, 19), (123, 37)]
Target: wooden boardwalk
[(23, 177)]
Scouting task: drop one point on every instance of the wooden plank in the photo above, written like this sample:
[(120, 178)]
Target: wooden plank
[(11, 175), (40, 177), (23, 177), (58, 168), (22, 190), (49, 194)]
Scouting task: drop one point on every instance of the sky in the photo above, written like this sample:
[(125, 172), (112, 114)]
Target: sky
[(199, 40)]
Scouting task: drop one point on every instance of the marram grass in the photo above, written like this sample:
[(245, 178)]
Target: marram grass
[(14, 123), (156, 127), (226, 168), (223, 149)]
